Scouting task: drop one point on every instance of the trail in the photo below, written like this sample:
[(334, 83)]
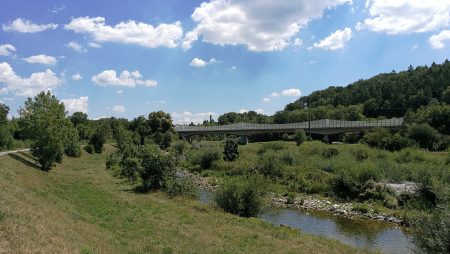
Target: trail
[(14, 151)]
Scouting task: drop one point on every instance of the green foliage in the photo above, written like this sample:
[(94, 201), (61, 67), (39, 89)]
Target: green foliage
[(181, 186), (45, 123), (360, 208), (273, 146), (361, 154), (288, 158), (270, 165), (352, 137), (247, 117), (426, 136), (230, 150), (98, 140), (432, 232), (130, 167), (78, 118), (240, 198), (330, 152), (204, 156), (437, 115), (180, 147), (299, 137), (381, 138), (89, 148), (72, 146), (446, 95), (166, 140), (156, 166), (160, 122)]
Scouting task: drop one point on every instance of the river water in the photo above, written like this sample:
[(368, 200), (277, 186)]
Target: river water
[(361, 233)]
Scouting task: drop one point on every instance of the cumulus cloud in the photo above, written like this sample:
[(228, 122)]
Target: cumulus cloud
[(41, 59), (118, 109), (77, 77), (129, 32), (119, 91), (76, 105), (259, 25), (6, 49), (25, 26), (265, 99), (76, 46), (259, 111), (188, 117), (37, 82), (336, 40), (437, 41), (94, 45), (406, 16), (292, 92), (126, 78), (197, 62)]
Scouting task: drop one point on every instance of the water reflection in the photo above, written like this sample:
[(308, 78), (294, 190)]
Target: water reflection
[(365, 234)]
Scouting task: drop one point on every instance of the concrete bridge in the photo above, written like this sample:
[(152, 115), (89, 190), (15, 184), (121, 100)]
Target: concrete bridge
[(324, 127)]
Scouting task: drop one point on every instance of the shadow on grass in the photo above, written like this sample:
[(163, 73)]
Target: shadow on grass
[(25, 161), (29, 156)]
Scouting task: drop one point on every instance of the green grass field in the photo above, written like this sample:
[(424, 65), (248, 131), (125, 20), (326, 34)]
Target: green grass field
[(79, 207)]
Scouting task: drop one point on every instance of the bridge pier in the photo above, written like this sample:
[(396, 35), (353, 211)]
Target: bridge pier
[(326, 139), (243, 140)]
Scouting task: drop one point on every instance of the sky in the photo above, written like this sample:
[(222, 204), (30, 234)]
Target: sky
[(196, 58)]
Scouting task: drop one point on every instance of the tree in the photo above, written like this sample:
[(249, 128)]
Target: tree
[(98, 140), (230, 150), (432, 232), (45, 123), (156, 167), (425, 135), (78, 118), (5, 135), (446, 95), (160, 122), (300, 137), (72, 147)]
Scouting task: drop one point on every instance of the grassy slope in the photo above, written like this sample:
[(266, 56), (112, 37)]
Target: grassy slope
[(79, 207)]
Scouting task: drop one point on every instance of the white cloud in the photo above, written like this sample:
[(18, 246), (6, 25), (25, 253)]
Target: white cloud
[(274, 94), (406, 16), (126, 78), (76, 46), (259, 25), (336, 40), (414, 47), (292, 92), (25, 26), (188, 117), (118, 109), (5, 49), (119, 91), (37, 82), (76, 105), (259, 111), (94, 45), (57, 9), (437, 41), (265, 99), (242, 111), (129, 32), (197, 62), (77, 77), (41, 59)]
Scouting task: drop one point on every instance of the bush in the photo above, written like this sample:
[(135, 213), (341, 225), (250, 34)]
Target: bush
[(344, 186), (242, 198), (166, 140), (89, 148), (397, 143), (156, 166), (269, 165), (432, 232), (273, 146), (129, 168), (361, 154), (230, 150), (112, 161), (352, 137), (180, 186), (72, 147), (360, 208), (97, 141), (287, 137), (180, 147), (288, 159), (330, 152), (425, 136), (382, 139), (300, 137), (204, 157)]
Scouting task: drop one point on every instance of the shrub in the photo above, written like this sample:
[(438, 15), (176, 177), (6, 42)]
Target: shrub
[(273, 146), (165, 140), (155, 167), (129, 168), (344, 186), (180, 186), (89, 148), (377, 137), (352, 137), (208, 157), (241, 198), (180, 147), (300, 137), (269, 165), (397, 142), (330, 152), (72, 147), (230, 150), (432, 232), (113, 159), (288, 158), (425, 135), (287, 137), (97, 140)]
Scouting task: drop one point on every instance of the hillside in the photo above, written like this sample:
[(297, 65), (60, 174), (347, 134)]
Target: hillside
[(387, 94), (79, 207)]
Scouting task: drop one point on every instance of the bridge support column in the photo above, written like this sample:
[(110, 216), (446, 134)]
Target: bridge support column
[(243, 140), (326, 139)]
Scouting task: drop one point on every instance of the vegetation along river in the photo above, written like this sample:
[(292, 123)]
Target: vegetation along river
[(371, 235)]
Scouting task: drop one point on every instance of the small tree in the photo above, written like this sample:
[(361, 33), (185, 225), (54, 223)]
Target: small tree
[(240, 198), (156, 167), (72, 147), (98, 140), (432, 233), (45, 123), (300, 137), (230, 150)]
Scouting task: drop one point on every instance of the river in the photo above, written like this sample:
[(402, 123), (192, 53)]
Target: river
[(361, 233)]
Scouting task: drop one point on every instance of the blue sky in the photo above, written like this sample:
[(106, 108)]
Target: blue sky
[(195, 58)]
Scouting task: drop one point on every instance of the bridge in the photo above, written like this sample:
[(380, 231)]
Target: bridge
[(324, 127)]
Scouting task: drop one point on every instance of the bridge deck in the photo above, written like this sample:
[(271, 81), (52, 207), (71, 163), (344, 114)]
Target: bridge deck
[(324, 126)]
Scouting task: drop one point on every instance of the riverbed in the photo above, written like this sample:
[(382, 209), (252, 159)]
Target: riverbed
[(371, 235)]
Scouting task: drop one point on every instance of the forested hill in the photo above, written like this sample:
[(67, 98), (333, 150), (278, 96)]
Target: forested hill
[(388, 94)]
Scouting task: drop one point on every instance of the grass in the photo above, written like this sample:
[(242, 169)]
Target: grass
[(79, 207)]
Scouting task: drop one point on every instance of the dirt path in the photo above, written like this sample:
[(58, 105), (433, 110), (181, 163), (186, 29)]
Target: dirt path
[(14, 151)]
